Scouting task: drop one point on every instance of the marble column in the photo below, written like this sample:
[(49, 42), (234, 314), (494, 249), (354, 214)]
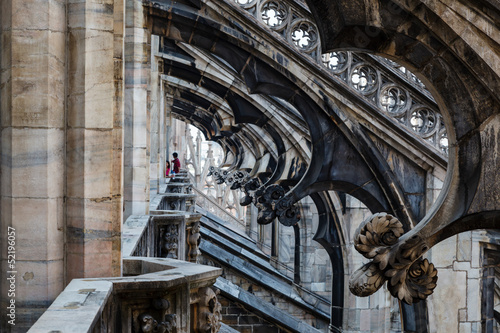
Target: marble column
[(154, 112), (94, 139), (32, 156), (136, 122)]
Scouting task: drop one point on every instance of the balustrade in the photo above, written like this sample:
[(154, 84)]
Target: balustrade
[(163, 289), (391, 88), (155, 295)]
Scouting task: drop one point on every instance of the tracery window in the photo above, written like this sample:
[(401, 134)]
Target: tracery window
[(372, 77)]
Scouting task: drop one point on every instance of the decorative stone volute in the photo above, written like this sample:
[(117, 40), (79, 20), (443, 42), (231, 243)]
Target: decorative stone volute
[(399, 262)]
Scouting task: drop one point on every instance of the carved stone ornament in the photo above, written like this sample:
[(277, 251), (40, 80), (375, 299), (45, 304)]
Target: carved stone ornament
[(236, 179), (272, 204), (409, 278), (218, 174), (193, 241), (249, 188), (209, 317), (174, 189), (171, 240), (149, 325), (266, 201), (288, 213)]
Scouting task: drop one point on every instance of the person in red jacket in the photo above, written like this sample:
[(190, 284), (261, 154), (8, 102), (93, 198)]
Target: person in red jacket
[(176, 164)]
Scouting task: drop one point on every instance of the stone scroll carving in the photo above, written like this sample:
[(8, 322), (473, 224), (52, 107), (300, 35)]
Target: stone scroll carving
[(409, 277), (208, 316)]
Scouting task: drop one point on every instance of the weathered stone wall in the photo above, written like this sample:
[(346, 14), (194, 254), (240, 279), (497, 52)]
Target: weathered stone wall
[(61, 134), (274, 298), (245, 321), (378, 312), (457, 304), (33, 70), (94, 139)]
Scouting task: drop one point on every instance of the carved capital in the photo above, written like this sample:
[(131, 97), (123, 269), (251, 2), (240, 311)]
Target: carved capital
[(399, 262)]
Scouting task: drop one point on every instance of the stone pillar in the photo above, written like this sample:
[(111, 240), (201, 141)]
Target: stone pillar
[(32, 156), (155, 121), (136, 125), (94, 138)]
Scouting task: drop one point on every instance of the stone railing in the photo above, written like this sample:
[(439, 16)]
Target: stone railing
[(176, 202), (174, 235), (179, 187), (155, 295), (390, 88), (211, 206), (157, 292)]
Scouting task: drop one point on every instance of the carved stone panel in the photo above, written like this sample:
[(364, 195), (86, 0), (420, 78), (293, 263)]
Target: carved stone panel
[(205, 311), (149, 311), (193, 241), (170, 236)]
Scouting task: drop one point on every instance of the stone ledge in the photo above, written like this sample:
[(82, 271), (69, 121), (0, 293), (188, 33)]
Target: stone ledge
[(80, 306)]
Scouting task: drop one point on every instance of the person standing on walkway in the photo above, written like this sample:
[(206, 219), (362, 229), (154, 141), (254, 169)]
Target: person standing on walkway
[(176, 164)]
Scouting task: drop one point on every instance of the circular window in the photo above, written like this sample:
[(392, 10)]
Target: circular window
[(336, 61), (394, 100), (364, 78), (423, 121), (274, 13), (304, 35)]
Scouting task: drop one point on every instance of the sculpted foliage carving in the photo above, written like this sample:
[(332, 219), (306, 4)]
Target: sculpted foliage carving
[(150, 325), (218, 174), (272, 203), (409, 278), (250, 188)]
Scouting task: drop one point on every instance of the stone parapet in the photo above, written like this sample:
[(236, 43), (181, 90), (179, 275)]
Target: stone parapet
[(155, 295), (177, 201)]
